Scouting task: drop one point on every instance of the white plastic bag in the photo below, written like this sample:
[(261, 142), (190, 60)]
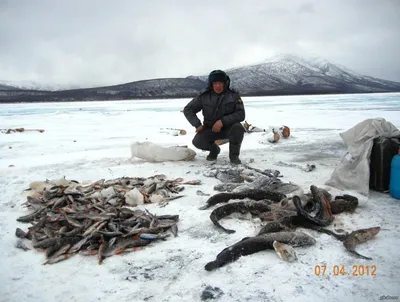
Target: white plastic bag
[(353, 173), (155, 153)]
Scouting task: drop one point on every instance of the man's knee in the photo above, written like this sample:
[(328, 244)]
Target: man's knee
[(196, 141), (238, 128), (199, 141), (237, 133)]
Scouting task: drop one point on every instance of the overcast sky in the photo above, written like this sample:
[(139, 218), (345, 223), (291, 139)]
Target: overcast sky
[(98, 42)]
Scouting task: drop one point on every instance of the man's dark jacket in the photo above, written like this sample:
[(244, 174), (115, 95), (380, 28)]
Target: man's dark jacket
[(227, 107)]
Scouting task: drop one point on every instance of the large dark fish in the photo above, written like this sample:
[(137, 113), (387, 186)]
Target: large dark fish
[(226, 187), (243, 207), (359, 236), (322, 214), (283, 224), (229, 176), (319, 216), (254, 194), (251, 245), (345, 203), (350, 241), (276, 214)]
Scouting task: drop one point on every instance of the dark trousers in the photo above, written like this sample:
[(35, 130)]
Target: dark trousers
[(204, 139)]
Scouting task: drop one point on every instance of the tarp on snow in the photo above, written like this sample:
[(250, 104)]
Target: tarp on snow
[(353, 172)]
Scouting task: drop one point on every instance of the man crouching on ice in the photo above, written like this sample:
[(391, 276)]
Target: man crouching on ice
[(223, 110)]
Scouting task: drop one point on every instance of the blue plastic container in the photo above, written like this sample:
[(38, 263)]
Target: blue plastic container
[(394, 186)]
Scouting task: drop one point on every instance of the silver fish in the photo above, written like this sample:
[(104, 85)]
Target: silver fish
[(69, 218)]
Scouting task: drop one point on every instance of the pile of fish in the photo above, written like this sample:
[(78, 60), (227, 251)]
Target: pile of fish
[(238, 174), (99, 218), (243, 178), (314, 210)]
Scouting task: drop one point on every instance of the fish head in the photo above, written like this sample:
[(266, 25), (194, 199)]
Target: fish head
[(366, 234), (285, 251), (277, 245), (268, 216), (375, 230)]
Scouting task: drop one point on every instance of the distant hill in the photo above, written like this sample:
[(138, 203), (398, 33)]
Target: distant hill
[(7, 87), (157, 88), (31, 85), (283, 74)]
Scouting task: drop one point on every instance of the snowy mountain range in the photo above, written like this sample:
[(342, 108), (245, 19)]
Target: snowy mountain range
[(282, 74), (291, 73)]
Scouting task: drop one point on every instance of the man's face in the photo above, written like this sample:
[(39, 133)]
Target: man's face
[(218, 87)]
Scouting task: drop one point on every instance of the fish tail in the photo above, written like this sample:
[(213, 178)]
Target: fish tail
[(359, 255), (217, 224)]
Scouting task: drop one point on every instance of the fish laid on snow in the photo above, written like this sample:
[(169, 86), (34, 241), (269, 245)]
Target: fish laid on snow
[(317, 213), (360, 236), (243, 207), (20, 245), (251, 245), (238, 174), (313, 210), (96, 219), (132, 190), (255, 194), (276, 214)]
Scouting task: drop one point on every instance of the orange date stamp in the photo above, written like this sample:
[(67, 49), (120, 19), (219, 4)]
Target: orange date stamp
[(343, 270)]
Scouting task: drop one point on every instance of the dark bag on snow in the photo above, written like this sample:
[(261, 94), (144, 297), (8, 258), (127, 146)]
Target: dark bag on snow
[(382, 153)]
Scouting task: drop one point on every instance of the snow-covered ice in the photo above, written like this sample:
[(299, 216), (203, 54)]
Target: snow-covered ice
[(90, 141)]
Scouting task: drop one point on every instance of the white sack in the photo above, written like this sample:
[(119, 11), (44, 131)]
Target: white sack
[(353, 173), (155, 153)]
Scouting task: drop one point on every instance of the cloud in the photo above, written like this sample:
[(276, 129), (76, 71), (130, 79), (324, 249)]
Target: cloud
[(91, 42), (306, 8)]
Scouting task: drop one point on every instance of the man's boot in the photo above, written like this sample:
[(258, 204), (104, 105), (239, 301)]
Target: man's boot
[(214, 151), (234, 151)]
